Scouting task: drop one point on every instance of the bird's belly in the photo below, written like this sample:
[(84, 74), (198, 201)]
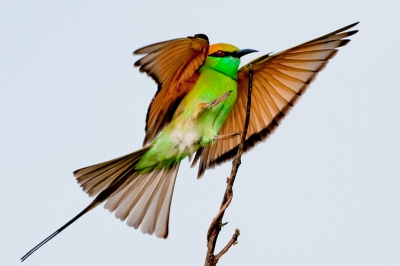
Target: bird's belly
[(187, 140)]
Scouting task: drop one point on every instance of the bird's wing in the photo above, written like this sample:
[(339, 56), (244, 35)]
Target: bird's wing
[(173, 65), (278, 82)]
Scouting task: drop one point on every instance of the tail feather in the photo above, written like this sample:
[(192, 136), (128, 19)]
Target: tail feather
[(99, 176), (150, 216), (113, 202), (134, 195), (146, 201), (143, 199), (47, 239), (97, 184), (164, 206), (146, 197)]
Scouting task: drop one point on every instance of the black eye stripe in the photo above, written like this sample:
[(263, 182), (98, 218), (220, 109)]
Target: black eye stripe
[(225, 54)]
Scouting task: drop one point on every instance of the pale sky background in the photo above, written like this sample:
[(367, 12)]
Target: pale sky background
[(323, 190)]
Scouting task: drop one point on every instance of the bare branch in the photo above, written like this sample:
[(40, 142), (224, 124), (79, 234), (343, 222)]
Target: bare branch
[(233, 241), (215, 227)]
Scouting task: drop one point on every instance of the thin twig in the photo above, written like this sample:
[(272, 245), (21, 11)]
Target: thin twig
[(231, 242), (220, 212), (215, 227)]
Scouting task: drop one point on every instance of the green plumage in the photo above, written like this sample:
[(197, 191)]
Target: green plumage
[(192, 125)]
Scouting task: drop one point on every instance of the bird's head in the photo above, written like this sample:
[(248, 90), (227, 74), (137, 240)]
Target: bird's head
[(225, 58)]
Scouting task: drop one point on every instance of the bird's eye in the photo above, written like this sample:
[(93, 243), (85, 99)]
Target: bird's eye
[(220, 53)]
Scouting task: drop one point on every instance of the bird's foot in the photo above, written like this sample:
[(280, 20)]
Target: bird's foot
[(204, 105), (218, 100), (227, 136)]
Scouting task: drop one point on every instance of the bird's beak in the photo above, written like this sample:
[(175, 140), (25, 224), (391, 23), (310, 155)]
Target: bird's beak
[(243, 52)]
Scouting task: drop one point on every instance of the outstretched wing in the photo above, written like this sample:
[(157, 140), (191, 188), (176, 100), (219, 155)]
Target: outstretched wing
[(279, 81), (173, 65)]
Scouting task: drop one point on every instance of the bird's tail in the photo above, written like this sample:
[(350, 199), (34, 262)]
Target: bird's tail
[(143, 199)]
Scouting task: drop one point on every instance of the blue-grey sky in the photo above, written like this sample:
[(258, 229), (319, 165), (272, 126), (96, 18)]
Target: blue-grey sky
[(323, 190)]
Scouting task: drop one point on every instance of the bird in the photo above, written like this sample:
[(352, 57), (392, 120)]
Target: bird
[(199, 109)]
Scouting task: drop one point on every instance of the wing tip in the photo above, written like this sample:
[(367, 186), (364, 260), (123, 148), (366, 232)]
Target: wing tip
[(348, 27), (202, 36)]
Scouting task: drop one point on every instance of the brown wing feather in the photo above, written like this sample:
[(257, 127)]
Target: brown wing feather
[(173, 65), (279, 81)]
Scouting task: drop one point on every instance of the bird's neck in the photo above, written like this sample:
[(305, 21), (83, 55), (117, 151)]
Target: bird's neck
[(225, 65)]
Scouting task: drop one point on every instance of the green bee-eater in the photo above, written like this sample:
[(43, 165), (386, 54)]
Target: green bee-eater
[(199, 108)]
